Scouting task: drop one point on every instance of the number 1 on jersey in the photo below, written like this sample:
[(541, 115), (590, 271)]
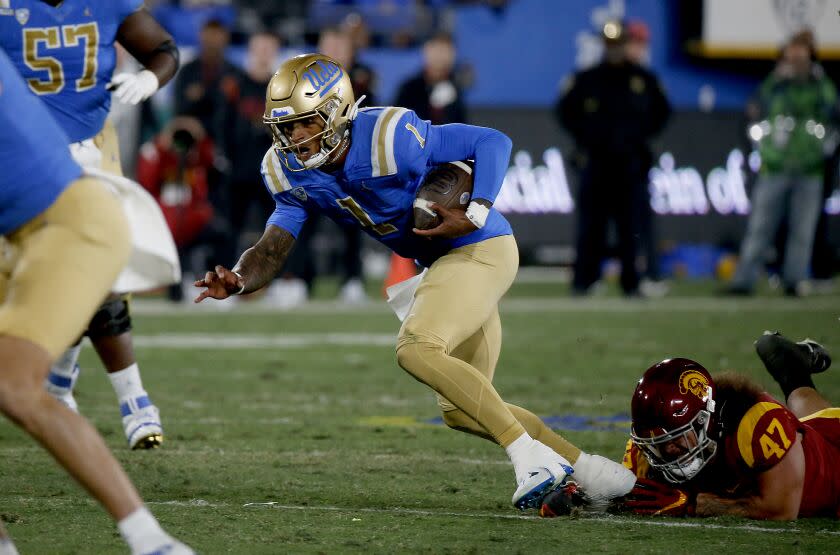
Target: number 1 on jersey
[(349, 204)]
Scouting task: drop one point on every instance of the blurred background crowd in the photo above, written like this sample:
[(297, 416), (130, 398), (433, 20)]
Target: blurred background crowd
[(653, 141)]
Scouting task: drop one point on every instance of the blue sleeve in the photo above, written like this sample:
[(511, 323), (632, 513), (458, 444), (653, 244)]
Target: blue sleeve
[(128, 7), (489, 148), (289, 213)]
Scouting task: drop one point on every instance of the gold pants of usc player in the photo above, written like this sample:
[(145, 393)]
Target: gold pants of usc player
[(60, 265), (452, 337)]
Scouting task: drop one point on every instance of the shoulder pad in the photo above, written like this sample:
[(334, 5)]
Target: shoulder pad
[(382, 160), (765, 434), (273, 174)]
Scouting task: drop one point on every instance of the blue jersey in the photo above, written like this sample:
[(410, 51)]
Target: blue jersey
[(390, 152), (66, 55), (35, 161)]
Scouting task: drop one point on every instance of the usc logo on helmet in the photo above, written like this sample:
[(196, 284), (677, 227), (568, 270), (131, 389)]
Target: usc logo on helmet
[(692, 381)]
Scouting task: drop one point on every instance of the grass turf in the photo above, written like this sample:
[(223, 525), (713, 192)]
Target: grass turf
[(325, 447)]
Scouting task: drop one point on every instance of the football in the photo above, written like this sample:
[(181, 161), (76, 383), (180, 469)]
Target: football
[(449, 185)]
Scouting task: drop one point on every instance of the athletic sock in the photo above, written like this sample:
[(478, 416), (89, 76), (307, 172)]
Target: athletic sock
[(63, 373), (519, 451), (127, 383), (7, 547), (142, 532)]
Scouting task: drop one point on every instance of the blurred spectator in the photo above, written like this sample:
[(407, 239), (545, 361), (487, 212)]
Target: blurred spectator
[(174, 168), (613, 111), (434, 93), (637, 50), (198, 84), (792, 113), (245, 139), (338, 44)]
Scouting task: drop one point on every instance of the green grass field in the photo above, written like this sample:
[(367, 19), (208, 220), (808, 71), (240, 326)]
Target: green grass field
[(296, 432)]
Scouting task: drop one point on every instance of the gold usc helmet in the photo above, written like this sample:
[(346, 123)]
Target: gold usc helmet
[(305, 86)]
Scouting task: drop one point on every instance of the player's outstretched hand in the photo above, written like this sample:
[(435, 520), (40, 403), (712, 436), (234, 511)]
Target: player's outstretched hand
[(649, 497), (220, 284), (454, 223)]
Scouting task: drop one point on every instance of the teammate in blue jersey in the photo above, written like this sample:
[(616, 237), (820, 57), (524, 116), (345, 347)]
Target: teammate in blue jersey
[(363, 168), (65, 50), (46, 250)]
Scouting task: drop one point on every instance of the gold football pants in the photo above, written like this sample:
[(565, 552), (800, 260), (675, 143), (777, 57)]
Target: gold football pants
[(56, 269), (451, 340)]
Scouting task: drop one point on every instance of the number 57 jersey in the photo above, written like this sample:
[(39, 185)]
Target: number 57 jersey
[(66, 55), (391, 150)]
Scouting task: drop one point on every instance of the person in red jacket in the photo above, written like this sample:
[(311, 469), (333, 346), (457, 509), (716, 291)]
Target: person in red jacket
[(174, 168)]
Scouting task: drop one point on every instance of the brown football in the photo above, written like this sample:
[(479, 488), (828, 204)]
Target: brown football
[(449, 185)]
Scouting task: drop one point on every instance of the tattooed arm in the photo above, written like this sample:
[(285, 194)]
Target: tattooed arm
[(256, 267)]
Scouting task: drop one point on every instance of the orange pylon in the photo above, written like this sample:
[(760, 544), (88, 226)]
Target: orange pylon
[(400, 269)]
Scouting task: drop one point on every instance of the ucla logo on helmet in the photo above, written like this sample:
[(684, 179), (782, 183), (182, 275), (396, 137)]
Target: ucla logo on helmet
[(323, 75), (282, 112), (692, 381)]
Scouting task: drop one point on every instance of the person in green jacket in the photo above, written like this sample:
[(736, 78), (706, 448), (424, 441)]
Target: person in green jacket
[(793, 113)]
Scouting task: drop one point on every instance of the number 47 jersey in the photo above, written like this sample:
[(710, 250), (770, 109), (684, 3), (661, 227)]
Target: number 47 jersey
[(66, 55), (391, 150)]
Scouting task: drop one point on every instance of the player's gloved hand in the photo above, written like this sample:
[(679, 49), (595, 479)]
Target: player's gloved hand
[(132, 88), (562, 501), (220, 284), (454, 223), (649, 497)]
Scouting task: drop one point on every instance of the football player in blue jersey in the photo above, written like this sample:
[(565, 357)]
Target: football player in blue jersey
[(65, 51), (363, 168), (46, 250)]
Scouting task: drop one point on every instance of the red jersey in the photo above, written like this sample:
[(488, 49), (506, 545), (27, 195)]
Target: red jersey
[(762, 438)]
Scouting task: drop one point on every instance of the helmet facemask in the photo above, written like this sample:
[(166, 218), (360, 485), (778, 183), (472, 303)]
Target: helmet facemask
[(693, 437), (329, 138)]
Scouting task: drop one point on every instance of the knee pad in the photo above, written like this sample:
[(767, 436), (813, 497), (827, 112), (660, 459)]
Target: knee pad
[(112, 319)]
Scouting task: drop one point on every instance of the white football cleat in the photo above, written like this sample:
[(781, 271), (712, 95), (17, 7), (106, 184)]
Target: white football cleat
[(141, 422), (539, 483), (544, 472), (173, 547), (602, 480)]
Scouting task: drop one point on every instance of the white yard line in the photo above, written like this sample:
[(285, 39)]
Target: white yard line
[(601, 519), (513, 305), (257, 340)]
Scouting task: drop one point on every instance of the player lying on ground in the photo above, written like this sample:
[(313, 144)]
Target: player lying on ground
[(46, 251), (65, 50), (363, 169), (724, 447)]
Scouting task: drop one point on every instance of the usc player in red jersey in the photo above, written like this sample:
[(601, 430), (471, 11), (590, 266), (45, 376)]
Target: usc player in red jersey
[(705, 447), (709, 447)]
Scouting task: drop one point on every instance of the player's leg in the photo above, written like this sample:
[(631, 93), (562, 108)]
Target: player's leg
[(110, 333), (458, 294), (61, 252), (481, 351), (791, 364), (601, 478)]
